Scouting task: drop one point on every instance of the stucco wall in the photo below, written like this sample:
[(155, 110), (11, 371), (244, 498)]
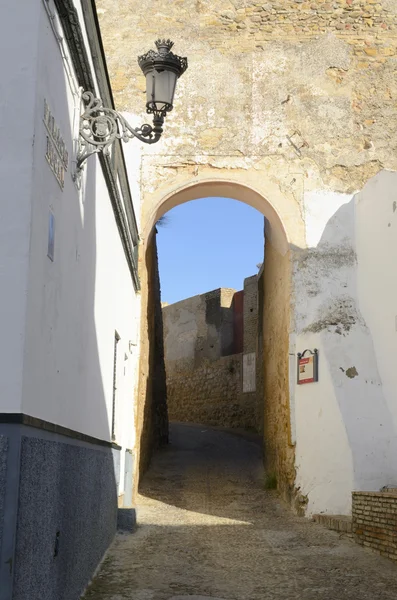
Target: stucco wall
[(376, 210), (77, 302), (17, 110), (62, 477)]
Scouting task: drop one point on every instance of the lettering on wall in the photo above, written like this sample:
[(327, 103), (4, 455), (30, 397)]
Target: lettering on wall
[(56, 154), (249, 372)]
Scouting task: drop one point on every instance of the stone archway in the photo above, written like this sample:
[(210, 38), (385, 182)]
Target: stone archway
[(284, 232)]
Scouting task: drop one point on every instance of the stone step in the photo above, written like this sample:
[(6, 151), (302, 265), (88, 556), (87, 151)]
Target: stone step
[(340, 523)]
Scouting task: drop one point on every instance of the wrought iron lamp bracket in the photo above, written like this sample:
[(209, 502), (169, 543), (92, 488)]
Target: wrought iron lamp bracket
[(101, 126)]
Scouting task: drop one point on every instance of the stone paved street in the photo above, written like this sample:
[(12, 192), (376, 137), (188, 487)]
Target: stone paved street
[(209, 529)]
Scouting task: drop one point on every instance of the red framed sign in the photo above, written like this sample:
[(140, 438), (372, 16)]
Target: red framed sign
[(307, 366)]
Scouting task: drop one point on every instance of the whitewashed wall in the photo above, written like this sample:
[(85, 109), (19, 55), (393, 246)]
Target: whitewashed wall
[(60, 317), (345, 423), (376, 222), (18, 64)]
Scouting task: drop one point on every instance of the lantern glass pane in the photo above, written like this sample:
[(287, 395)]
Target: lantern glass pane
[(160, 88)]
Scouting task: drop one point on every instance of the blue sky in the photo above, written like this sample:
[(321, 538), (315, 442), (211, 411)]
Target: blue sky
[(206, 244)]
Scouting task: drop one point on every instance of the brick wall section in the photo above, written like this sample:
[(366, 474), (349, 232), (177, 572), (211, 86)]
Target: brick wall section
[(212, 394), (375, 521)]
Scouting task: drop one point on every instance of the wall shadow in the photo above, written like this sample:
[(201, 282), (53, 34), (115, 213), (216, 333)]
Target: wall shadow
[(351, 357), (205, 469), (153, 420)]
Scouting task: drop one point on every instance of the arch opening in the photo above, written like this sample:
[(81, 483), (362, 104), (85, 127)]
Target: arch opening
[(271, 345), (276, 232)]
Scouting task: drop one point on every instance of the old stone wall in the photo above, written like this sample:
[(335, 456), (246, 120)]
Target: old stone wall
[(279, 452), (212, 394), (199, 328), (203, 386), (375, 521), (309, 84), (152, 415)]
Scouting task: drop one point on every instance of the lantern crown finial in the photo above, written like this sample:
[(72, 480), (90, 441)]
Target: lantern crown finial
[(163, 58), (164, 46)]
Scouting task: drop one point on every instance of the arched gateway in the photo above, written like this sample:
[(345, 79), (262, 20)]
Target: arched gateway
[(311, 443), (279, 438)]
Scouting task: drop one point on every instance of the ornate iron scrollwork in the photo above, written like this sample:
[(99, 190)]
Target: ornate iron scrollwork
[(101, 126)]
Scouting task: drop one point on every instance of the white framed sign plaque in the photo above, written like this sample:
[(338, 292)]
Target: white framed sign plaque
[(307, 366)]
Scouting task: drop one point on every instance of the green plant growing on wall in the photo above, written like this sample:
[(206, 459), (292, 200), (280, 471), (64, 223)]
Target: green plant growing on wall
[(271, 481)]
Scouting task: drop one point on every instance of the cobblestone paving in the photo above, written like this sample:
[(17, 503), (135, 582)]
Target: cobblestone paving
[(209, 530)]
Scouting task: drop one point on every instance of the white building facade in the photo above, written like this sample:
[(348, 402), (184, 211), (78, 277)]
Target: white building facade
[(70, 309)]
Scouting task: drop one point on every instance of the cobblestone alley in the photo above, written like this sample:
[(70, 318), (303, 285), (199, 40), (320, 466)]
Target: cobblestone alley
[(209, 530)]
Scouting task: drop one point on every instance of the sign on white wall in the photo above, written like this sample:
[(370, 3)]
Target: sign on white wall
[(249, 372), (307, 367)]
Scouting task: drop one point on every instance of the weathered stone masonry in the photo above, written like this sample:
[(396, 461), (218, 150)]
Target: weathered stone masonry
[(204, 358), (318, 72)]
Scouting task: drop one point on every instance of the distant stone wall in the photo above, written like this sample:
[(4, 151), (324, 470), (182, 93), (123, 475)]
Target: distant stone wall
[(199, 328), (206, 381), (375, 521), (212, 394)]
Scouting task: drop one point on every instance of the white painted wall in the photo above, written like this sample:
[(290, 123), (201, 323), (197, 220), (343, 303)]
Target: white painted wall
[(18, 63), (58, 319), (346, 438), (376, 222)]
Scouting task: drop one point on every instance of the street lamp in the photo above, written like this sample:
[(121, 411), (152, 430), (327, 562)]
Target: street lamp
[(101, 126)]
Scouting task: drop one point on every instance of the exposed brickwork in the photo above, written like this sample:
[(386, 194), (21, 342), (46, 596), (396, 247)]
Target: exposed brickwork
[(375, 521), (340, 523)]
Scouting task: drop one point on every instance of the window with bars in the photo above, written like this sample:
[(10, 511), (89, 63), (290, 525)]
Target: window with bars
[(114, 400)]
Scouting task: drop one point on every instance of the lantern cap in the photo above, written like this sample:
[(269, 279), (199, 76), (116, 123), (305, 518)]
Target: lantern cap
[(163, 59)]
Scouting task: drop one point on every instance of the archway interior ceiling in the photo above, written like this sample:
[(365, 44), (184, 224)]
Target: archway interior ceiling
[(308, 87)]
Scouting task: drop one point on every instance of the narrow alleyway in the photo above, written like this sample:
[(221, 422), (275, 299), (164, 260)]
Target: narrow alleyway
[(209, 529)]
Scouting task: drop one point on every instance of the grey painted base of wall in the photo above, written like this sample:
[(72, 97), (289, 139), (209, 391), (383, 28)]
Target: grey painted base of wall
[(126, 520), (58, 513)]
